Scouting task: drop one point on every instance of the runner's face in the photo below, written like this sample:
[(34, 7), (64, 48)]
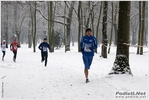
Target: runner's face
[(45, 40), (88, 33)]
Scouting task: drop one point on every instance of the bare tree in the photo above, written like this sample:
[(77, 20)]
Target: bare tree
[(29, 35), (111, 28), (7, 12), (65, 25), (142, 30), (98, 23), (18, 21), (68, 27), (4, 23), (80, 21), (33, 11), (51, 25), (104, 30), (115, 23), (134, 27), (139, 34), (121, 64)]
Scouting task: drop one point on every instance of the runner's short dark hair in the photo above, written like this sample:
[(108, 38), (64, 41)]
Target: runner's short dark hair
[(88, 29), (45, 39)]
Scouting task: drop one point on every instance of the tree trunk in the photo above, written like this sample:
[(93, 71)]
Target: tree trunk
[(111, 30), (32, 23), (104, 30), (115, 25), (72, 39), (142, 30), (97, 27), (134, 31), (7, 20), (139, 34), (146, 34), (80, 24), (29, 36), (116, 31), (133, 38), (65, 26), (89, 16), (34, 26), (18, 37), (92, 22), (50, 25), (82, 20), (15, 19), (69, 20), (121, 64)]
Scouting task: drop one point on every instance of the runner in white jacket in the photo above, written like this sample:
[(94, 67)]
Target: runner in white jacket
[(3, 47)]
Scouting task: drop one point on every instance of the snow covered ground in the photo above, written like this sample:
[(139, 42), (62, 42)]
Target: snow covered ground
[(63, 78)]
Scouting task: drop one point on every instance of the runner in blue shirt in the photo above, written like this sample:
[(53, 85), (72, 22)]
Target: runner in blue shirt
[(88, 45)]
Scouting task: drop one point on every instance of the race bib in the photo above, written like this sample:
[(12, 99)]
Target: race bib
[(86, 48), (44, 49), (15, 47), (3, 47)]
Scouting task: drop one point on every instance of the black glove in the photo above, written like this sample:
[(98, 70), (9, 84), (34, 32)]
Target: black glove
[(91, 48), (82, 49), (18, 46)]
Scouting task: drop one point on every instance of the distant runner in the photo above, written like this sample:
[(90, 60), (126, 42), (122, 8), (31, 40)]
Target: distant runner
[(3, 47), (14, 47), (88, 45), (44, 46)]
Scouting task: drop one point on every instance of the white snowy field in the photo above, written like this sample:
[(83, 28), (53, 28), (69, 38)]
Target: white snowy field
[(63, 78)]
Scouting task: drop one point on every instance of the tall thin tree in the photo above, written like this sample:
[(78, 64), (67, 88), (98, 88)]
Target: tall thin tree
[(111, 29), (68, 27), (98, 23), (7, 21), (142, 30), (140, 25), (104, 30), (80, 23), (115, 25), (34, 27), (50, 25)]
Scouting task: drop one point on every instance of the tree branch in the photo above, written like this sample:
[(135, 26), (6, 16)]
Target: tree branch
[(47, 18), (134, 15)]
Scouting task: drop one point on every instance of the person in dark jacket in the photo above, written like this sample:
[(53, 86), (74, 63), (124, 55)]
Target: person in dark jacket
[(44, 46), (88, 45)]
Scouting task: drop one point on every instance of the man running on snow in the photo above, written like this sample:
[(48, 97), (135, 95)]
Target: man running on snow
[(14, 47), (88, 45), (4, 46), (44, 46)]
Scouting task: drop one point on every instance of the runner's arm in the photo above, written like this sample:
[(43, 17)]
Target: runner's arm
[(10, 47)]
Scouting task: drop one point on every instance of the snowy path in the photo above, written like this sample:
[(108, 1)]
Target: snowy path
[(63, 78)]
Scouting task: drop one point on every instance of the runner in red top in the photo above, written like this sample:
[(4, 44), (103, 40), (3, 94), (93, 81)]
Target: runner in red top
[(14, 47)]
